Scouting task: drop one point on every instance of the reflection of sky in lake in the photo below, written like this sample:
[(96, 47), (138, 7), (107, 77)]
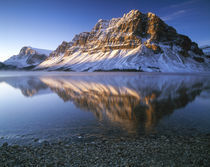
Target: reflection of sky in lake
[(101, 104)]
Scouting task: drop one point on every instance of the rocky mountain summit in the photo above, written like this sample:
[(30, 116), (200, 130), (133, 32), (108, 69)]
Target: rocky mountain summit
[(136, 41), (28, 57)]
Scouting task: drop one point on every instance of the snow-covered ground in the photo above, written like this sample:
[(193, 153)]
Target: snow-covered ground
[(140, 58)]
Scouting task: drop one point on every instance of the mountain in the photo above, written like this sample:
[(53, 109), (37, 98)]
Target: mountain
[(2, 65), (6, 67), (206, 50), (136, 41), (28, 57)]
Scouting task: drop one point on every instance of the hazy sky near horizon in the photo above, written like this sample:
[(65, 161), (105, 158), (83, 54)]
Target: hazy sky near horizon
[(46, 23)]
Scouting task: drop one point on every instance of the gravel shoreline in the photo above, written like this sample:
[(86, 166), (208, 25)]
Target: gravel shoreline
[(152, 150)]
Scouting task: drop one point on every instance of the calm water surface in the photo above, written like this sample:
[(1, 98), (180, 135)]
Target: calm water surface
[(54, 106)]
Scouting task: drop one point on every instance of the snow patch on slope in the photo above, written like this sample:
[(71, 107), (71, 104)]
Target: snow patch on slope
[(140, 58)]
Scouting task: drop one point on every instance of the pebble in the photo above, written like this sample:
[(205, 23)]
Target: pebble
[(144, 151)]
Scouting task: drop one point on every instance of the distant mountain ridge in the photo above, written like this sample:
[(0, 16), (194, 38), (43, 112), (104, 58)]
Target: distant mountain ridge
[(6, 67), (28, 57), (134, 42)]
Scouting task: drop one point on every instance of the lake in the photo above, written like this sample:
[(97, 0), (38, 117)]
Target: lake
[(40, 106)]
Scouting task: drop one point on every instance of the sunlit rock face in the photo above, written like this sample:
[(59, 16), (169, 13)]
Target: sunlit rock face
[(61, 49), (135, 41), (131, 101), (28, 57)]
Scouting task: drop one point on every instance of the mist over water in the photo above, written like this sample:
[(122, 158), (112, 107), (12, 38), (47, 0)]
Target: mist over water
[(51, 106)]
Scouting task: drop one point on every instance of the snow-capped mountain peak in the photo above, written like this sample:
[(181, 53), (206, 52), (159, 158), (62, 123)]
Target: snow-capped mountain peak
[(28, 50), (28, 57), (135, 41)]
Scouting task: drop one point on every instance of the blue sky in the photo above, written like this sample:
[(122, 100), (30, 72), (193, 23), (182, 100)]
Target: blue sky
[(46, 23)]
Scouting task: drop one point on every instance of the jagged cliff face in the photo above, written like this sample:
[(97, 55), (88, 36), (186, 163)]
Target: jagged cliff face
[(135, 41), (130, 31), (61, 49), (28, 57)]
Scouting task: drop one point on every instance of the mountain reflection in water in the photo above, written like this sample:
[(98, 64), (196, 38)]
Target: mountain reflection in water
[(127, 100)]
